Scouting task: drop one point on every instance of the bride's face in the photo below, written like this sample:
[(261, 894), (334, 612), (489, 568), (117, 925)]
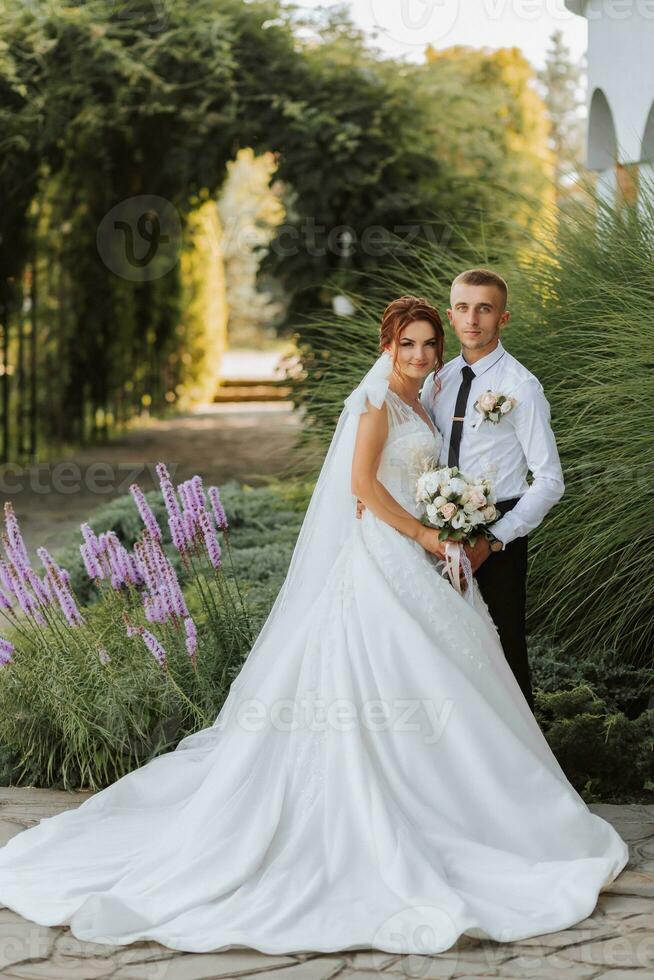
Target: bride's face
[(415, 351)]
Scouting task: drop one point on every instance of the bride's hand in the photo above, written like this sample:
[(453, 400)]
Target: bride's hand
[(430, 541)]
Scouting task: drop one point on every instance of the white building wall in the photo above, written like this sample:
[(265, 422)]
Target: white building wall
[(621, 64)]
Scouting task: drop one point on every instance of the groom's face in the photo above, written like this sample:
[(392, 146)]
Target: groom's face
[(477, 316)]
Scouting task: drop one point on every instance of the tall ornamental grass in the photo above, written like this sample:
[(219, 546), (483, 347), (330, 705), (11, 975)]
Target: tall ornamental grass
[(89, 692), (582, 303)]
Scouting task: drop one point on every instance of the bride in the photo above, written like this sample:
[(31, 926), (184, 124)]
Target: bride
[(375, 778)]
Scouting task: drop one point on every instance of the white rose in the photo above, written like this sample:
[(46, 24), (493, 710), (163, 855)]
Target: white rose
[(440, 501), (506, 406), (459, 520), (448, 511), (456, 485), (488, 402), (477, 498), (430, 483), (489, 513)]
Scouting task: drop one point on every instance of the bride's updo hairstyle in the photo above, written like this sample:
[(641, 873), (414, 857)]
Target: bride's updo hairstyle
[(399, 314)]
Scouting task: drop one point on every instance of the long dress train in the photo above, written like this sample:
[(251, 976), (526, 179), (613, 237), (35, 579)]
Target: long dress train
[(376, 780)]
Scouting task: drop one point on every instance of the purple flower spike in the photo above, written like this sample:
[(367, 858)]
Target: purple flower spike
[(153, 645), (177, 533), (26, 600), (5, 602), (6, 651), (210, 540), (151, 642), (218, 510), (191, 637), (59, 580), (91, 539), (144, 510), (91, 564), (40, 591), (155, 611), (5, 577), (197, 491), (168, 492), (15, 537), (190, 524)]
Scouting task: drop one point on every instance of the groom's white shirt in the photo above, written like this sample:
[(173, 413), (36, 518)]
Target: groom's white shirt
[(504, 452)]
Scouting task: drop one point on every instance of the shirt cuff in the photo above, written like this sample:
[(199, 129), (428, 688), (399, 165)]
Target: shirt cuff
[(503, 530)]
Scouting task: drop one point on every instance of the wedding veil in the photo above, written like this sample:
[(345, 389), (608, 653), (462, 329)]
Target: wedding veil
[(328, 522)]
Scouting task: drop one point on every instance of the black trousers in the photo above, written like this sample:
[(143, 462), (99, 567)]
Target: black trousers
[(502, 581)]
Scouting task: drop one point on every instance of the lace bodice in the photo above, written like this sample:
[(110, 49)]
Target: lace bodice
[(410, 444)]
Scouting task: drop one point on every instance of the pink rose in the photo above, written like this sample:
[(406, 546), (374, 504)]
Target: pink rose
[(477, 499), (448, 511), (487, 402), (490, 513)]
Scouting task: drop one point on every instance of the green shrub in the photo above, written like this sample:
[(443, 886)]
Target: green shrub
[(605, 755)]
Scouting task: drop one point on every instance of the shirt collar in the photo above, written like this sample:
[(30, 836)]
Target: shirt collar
[(484, 363)]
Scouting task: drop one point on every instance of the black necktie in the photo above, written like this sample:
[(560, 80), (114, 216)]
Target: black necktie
[(459, 415)]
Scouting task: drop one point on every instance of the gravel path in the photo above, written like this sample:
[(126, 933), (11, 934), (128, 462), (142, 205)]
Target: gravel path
[(241, 441)]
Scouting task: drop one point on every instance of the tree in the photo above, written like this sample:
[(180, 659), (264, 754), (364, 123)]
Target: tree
[(561, 82)]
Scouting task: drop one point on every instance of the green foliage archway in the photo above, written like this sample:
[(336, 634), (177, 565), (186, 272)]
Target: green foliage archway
[(103, 104)]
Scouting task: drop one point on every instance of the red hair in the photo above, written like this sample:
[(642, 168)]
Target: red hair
[(403, 311)]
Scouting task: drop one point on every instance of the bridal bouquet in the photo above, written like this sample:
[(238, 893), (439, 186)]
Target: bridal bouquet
[(459, 507), (455, 504)]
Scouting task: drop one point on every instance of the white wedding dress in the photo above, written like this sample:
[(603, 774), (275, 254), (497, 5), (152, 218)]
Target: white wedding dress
[(375, 778)]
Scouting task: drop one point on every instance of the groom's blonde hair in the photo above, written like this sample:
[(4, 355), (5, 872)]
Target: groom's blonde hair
[(483, 277)]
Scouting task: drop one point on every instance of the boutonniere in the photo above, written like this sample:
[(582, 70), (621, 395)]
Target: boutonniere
[(493, 406)]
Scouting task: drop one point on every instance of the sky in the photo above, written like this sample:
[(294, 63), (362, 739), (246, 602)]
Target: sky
[(403, 28)]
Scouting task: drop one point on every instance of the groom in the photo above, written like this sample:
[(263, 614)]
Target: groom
[(505, 451)]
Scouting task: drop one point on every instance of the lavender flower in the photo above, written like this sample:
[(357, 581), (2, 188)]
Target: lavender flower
[(210, 540), (168, 492), (218, 510), (5, 577), (151, 642), (144, 510), (191, 637), (190, 525), (6, 651), (91, 539), (91, 563), (5, 602), (197, 492), (155, 611), (59, 581), (178, 533), (42, 594), (15, 536), (26, 600), (153, 645)]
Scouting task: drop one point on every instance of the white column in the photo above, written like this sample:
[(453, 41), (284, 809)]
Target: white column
[(646, 191), (607, 185)]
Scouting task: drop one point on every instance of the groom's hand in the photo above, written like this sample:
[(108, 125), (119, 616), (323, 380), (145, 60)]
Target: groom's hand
[(478, 553)]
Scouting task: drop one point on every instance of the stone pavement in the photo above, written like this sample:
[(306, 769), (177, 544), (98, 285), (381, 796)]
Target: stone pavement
[(616, 942)]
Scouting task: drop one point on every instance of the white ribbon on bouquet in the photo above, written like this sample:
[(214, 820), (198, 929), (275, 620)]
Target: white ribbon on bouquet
[(455, 559)]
